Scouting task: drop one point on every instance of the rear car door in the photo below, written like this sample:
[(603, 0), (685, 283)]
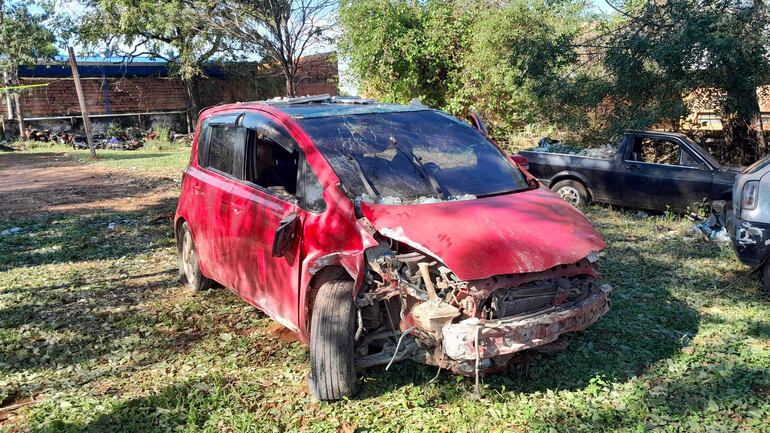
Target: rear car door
[(267, 217), (664, 173), (220, 158)]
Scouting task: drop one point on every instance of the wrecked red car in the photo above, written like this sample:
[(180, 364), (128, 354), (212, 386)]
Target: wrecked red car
[(379, 233)]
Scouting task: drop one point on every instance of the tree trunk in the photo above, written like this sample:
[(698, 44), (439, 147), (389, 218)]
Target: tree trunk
[(193, 105), (290, 91), (740, 139)]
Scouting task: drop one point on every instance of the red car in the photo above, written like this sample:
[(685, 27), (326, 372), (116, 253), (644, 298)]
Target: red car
[(379, 233)]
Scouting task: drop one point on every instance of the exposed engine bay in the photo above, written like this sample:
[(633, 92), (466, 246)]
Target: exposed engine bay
[(414, 307)]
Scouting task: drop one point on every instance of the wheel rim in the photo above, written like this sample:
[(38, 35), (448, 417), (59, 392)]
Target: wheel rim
[(569, 194), (188, 256)]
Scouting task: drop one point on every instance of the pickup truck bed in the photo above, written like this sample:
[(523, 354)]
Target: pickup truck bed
[(650, 170)]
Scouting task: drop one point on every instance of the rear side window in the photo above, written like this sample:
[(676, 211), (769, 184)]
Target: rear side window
[(223, 143)]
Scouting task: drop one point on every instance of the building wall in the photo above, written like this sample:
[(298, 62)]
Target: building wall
[(152, 94), (103, 96)]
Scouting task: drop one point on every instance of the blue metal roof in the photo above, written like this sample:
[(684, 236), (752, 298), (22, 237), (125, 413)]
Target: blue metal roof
[(110, 67)]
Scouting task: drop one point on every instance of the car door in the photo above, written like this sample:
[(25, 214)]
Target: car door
[(664, 173), (267, 217), (219, 159)]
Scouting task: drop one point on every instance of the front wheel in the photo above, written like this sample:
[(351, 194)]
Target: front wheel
[(332, 332), (573, 192)]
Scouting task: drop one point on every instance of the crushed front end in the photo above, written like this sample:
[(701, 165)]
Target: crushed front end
[(414, 307)]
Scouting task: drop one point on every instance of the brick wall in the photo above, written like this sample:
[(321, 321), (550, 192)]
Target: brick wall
[(133, 95), (122, 95)]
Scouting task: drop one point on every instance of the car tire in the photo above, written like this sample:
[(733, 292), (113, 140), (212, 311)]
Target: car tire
[(765, 276), (332, 331), (189, 265), (571, 191)]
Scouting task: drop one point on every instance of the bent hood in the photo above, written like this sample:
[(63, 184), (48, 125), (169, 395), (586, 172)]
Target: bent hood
[(528, 231)]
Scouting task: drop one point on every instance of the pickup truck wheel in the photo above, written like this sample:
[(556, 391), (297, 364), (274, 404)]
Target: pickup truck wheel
[(189, 267), (332, 331), (573, 192)]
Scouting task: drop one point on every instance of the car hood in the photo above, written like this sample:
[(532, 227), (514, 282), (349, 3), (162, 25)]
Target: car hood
[(528, 231)]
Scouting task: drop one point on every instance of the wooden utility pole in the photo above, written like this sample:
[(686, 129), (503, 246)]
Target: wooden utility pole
[(81, 101)]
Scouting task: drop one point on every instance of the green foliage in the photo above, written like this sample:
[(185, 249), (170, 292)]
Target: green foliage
[(660, 52), (162, 140), (174, 30), (502, 60), (515, 60), (401, 49), (555, 64), (24, 37)]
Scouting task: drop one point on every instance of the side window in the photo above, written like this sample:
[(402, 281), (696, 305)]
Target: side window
[(310, 191), (686, 159), (270, 165), (223, 147), (661, 151)]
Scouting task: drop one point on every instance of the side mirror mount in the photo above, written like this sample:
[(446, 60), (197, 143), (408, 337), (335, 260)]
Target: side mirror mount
[(477, 123), (285, 234)]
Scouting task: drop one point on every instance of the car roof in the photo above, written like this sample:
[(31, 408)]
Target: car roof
[(324, 106)]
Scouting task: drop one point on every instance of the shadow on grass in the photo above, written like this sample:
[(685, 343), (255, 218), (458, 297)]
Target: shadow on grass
[(61, 238), (181, 406)]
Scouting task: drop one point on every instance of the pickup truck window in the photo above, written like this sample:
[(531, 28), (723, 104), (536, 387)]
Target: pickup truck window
[(661, 151)]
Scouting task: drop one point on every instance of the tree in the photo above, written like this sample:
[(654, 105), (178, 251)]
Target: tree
[(660, 52), (502, 58), (177, 31), (516, 60), (24, 39), (278, 30), (400, 49)]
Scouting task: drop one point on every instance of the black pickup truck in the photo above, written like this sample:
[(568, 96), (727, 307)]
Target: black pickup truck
[(649, 170)]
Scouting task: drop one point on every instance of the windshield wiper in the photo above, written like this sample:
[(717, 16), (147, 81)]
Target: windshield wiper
[(440, 192), (362, 176)]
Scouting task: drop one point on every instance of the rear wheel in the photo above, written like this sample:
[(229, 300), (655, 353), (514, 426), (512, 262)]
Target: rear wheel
[(332, 331), (571, 191), (189, 266)]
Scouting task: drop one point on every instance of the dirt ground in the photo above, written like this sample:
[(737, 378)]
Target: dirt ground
[(35, 183)]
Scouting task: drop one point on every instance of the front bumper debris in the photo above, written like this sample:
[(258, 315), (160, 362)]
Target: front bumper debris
[(502, 337)]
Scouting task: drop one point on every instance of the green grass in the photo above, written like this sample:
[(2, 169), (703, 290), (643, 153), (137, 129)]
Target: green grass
[(95, 327), (157, 157)]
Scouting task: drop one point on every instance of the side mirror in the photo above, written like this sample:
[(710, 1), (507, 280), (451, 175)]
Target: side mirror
[(477, 123), (285, 234)]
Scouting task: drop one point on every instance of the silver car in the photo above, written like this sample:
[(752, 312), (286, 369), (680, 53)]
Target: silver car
[(749, 221)]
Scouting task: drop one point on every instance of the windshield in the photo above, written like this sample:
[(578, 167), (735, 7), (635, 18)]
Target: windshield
[(418, 156)]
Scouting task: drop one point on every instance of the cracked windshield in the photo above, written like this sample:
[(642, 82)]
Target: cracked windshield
[(403, 157)]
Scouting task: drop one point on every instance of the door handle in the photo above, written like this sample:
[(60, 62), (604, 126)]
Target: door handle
[(196, 188), (632, 166)]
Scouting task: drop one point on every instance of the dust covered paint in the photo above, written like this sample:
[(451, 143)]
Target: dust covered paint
[(453, 254)]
